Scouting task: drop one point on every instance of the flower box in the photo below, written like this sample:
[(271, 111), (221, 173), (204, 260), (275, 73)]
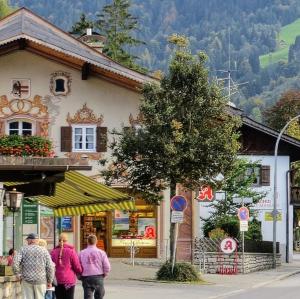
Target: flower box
[(6, 270)]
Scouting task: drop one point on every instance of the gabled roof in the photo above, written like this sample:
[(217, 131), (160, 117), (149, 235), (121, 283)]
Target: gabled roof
[(287, 146), (24, 24)]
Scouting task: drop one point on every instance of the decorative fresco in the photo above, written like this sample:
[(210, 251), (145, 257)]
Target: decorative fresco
[(85, 115), (20, 88)]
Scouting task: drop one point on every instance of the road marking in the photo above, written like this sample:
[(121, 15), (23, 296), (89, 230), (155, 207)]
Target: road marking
[(228, 294)]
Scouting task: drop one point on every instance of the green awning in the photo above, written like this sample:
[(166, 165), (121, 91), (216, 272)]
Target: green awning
[(79, 195)]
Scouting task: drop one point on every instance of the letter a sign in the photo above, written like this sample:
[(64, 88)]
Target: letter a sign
[(228, 245), (205, 194)]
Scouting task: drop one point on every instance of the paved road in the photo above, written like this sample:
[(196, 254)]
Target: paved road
[(283, 289), (116, 289)]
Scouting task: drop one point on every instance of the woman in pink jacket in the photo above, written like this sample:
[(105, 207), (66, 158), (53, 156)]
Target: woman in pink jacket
[(67, 267)]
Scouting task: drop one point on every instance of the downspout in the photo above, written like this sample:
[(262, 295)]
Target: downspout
[(288, 195)]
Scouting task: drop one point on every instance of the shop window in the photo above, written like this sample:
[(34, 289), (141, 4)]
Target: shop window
[(84, 138), (20, 127), (138, 227)]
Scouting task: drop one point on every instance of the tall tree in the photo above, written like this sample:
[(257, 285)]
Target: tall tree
[(285, 109), (185, 135), (80, 26), (118, 26)]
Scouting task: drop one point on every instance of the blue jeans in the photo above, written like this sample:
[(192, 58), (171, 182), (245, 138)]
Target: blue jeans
[(49, 295)]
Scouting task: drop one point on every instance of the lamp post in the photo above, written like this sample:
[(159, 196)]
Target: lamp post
[(13, 203), (275, 212)]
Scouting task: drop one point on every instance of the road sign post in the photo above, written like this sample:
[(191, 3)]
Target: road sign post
[(178, 205)]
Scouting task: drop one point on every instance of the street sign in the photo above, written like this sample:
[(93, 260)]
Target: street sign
[(177, 217), (228, 245), (243, 214), (178, 203), (246, 200), (206, 194), (243, 226)]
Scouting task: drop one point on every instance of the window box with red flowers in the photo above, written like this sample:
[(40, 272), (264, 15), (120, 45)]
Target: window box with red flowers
[(25, 146)]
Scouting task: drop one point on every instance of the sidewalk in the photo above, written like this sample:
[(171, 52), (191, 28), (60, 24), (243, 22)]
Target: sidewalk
[(122, 270)]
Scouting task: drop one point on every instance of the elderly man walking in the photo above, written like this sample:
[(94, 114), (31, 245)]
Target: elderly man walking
[(34, 264), (96, 266)]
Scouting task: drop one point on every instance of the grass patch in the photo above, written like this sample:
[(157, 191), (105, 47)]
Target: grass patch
[(286, 37)]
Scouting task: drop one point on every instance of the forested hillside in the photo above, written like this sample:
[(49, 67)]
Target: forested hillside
[(254, 27)]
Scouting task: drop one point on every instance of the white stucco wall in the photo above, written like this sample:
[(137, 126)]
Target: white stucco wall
[(266, 204)]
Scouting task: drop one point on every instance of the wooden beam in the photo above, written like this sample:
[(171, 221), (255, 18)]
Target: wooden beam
[(85, 71), (22, 43)]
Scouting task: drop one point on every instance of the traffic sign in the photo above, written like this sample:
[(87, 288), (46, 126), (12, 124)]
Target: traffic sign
[(178, 203), (206, 194), (177, 217), (243, 226), (228, 245), (243, 214), (239, 200)]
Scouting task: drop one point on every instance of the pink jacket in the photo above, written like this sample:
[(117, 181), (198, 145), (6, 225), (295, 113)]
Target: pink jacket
[(69, 267)]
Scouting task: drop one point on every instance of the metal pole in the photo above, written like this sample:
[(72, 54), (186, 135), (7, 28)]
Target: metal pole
[(243, 245), (175, 246), (275, 212), (287, 254), (13, 229)]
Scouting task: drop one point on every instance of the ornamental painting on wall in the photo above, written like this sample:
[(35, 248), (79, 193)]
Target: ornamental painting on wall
[(60, 83), (20, 88)]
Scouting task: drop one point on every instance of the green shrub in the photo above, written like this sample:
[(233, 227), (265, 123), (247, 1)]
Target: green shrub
[(217, 233), (182, 272)]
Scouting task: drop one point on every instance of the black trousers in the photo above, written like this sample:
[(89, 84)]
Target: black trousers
[(93, 287), (62, 293)]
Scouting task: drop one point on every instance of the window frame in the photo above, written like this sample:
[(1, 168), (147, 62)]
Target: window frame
[(20, 128), (84, 127), (257, 171)]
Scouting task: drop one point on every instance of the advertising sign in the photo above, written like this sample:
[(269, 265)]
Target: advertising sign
[(29, 212), (67, 224), (121, 221), (269, 216)]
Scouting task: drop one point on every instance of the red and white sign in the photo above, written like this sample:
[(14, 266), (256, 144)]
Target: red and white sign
[(243, 214), (206, 194), (228, 245)]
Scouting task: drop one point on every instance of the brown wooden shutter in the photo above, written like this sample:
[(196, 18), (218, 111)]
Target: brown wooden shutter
[(66, 139), (101, 139), (265, 175)]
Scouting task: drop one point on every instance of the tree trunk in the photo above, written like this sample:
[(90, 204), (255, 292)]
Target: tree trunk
[(172, 225)]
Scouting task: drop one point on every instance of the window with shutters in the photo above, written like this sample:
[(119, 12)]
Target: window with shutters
[(83, 138), (261, 175), (20, 127)]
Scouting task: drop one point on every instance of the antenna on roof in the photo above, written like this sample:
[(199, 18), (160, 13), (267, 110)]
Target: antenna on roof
[(231, 86)]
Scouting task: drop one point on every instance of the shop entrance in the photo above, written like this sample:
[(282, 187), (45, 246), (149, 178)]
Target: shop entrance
[(95, 224)]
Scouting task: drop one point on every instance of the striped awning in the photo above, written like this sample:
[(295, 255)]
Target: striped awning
[(79, 195)]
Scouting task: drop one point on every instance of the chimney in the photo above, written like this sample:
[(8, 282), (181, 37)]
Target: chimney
[(89, 31)]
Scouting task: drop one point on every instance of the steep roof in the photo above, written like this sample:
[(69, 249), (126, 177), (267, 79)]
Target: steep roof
[(24, 24)]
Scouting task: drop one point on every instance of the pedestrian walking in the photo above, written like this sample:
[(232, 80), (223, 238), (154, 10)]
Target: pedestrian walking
[(67, 267), (33, 263), (95, 267)]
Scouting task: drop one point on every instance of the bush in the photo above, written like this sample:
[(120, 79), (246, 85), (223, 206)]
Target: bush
[(182, 272), (217, 233)]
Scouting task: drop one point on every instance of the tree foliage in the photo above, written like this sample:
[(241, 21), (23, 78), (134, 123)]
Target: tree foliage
[(117, 24), (5, 8), (185, 135), (80, 26), (283, 111)]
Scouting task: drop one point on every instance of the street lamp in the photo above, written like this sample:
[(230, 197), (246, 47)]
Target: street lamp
[(275, 211), (13, 203)]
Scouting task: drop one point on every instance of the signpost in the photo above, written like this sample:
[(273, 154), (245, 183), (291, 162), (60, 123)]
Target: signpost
[(178, 205)]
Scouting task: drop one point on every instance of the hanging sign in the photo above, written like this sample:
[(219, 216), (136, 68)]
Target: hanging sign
[(206, 194)]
